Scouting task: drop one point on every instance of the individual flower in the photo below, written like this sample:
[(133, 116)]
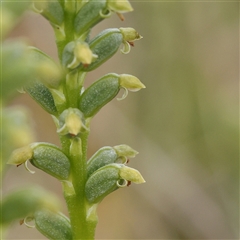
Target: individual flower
[(129, 36), (129, 83), (71, 122)]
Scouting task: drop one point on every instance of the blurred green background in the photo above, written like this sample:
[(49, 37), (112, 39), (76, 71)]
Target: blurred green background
[(184, 124)]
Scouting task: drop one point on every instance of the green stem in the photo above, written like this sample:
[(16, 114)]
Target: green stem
[(76, 149), (74, 83), (70, 11)]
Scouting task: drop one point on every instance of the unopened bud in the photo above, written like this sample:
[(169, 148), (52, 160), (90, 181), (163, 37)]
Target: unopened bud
[(109, 155), (102, 182), (53, 225), (45, 156), (89, 15), (50, 159), (99, 94), (102, 157), (42, 95)]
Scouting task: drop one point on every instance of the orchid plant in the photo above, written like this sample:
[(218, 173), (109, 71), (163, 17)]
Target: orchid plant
[(59, 89)]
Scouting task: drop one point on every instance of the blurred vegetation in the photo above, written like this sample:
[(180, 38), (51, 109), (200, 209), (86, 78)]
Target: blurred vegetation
[(190, 67), (17, 70), (185, 124)]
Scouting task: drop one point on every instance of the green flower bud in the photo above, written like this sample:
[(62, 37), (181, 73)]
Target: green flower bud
[(119, 6), (71, 121), (131, 174), (104, 90), (109, 178), (22, 202), (53, 225), (99, 94), (51, 10), (41, 94), (102, 182), (102, 157), (44, 156), (89, 15), (50, 159), (108, 155), (104, 45)]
